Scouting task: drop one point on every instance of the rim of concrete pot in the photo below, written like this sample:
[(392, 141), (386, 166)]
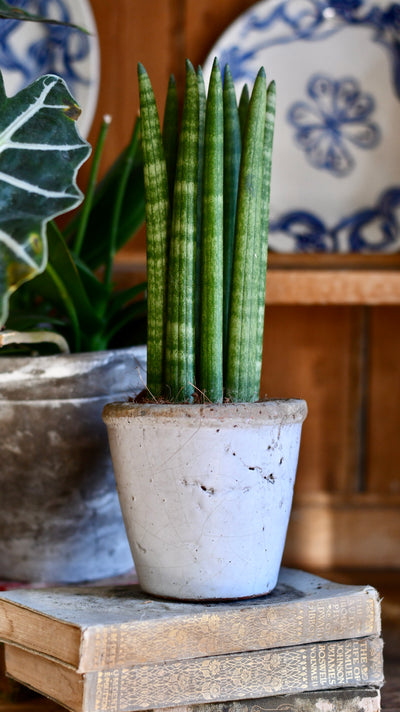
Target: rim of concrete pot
[(25, 377), (283, 409)]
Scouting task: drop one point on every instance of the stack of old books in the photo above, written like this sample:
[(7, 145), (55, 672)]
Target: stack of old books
[(311, 645)]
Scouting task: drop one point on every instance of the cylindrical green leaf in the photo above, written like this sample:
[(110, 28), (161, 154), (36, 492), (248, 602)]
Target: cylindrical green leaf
[(180, 342), (232, 153), (170, 133), (157, 209), (241, 382), (202, 117), (266, 190), (243, 107), (211, 339)]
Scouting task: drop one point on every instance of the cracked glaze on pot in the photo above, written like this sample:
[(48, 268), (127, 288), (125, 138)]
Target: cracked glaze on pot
[(206, 493), (60, 518)]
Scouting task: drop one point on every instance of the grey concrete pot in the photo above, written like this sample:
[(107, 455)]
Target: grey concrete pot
[(60, 519)]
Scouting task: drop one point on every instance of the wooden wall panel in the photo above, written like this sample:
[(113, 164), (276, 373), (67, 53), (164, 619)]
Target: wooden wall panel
[(315, 353), (129, 32), (205, 21), (383, 413), (332, 531)]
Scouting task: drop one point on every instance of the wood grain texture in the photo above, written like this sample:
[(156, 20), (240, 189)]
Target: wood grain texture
[(335, 531), (129, 32), (383, 412), (314, 353), (333, 287), (205, 21)]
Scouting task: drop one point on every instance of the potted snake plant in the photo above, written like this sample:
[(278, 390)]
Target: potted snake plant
[(205, 470)]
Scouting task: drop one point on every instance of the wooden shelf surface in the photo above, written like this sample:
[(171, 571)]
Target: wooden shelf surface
[(311, 279)]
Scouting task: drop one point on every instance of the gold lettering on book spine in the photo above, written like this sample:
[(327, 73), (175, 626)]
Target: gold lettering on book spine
[(255, 627), (240, 676)]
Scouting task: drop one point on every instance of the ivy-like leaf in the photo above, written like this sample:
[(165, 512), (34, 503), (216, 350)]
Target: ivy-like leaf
[(40, 154), (7, 12)]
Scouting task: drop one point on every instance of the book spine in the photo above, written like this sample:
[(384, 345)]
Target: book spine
[(349, 700), (253, 628), (340, 664)]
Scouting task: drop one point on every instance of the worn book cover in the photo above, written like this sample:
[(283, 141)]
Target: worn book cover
[(108, 627), (351, 700), (364, 699), (263, 673)]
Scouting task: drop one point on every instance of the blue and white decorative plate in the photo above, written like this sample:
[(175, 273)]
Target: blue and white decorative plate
[(336, 163), (29, 49)]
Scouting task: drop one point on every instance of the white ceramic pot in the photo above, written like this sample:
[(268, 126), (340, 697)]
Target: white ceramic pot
[(206, 493), (60, 519)]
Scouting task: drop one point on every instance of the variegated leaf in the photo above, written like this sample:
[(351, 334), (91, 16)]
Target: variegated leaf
[(40, 154), (8, 12)]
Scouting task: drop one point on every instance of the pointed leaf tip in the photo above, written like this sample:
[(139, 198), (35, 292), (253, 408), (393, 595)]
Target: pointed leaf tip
[(227, 71), (189, 66)]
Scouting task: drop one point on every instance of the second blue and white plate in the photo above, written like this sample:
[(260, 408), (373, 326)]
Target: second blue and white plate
[(336, 162), (30, 49)]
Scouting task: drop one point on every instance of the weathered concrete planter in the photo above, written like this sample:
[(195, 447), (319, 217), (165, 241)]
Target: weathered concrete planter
[(60, 518), (206, 493)]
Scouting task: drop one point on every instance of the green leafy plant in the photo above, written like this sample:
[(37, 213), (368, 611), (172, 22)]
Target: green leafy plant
[(40, 154), (207, 189), (75, 295), (62, 279)]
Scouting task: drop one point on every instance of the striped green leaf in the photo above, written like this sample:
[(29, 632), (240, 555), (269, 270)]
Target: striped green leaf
[(241, 381), (157, 212), (170, 132), (40, 154), (211, 336), (263, 250), (243, 107), (202, 118), (180, 337), (232, 153)]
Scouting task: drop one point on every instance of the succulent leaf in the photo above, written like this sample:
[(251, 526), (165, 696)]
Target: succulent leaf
[(242, 384), (180, 342), (211, 245), (157, 220)]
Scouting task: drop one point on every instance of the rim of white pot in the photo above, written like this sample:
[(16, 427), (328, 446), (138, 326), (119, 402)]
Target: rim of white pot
[(284, 410)]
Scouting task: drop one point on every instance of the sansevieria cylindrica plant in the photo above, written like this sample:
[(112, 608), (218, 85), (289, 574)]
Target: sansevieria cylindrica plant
[(207, 187)]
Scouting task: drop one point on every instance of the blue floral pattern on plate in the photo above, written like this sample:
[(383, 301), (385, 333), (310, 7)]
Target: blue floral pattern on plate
[(28, 50), (336, 168), (337, 113)]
